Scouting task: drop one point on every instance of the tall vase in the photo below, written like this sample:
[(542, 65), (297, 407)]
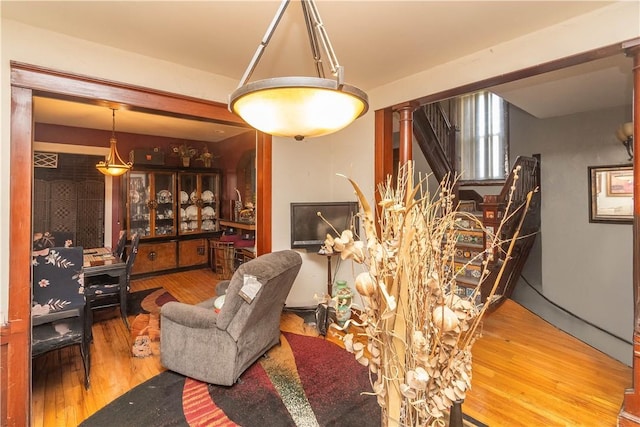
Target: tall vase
[(343, 298), (455, 414)]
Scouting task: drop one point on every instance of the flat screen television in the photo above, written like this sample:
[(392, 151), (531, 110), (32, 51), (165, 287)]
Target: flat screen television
[(309, 231)]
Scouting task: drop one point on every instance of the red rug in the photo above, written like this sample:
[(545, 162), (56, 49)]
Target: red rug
[(304, 381)]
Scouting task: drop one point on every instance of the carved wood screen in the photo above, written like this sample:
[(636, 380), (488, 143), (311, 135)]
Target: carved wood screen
[(69, 201)]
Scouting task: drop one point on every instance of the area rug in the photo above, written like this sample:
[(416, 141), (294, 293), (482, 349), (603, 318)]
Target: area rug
[(145, 327), (304, 381)]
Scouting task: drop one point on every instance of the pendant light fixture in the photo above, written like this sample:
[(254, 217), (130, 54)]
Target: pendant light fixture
[(111, 166), (299, 107)]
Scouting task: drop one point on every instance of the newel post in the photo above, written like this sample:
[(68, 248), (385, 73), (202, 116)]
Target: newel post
[(406, 130), (630, 412)]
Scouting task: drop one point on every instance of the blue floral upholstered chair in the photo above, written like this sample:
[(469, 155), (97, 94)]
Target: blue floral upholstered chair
[(216, 344), (59, 311)]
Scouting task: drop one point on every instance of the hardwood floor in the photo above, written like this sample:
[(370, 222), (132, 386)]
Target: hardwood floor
[(526, 372)]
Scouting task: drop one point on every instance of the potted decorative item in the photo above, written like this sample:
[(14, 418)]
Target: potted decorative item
[(185, 152), (206, 157), (419, 327)]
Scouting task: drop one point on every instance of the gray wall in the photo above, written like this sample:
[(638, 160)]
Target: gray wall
[(583, 267)]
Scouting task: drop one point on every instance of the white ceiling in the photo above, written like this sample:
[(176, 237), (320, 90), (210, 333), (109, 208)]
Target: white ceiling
[(376, 41)]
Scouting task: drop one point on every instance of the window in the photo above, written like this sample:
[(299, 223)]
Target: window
[(482, 142)]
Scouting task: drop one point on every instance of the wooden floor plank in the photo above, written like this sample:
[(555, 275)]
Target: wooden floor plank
[(526, 372)]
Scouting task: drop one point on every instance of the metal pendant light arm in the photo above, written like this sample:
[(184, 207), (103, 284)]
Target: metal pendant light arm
[(263, 44), (336, 69), (315, 30), (313, 40)]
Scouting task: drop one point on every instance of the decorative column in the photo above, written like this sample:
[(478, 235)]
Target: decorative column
[(406, 130), (630, 413)]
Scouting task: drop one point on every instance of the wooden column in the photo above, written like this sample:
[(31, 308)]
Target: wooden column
[(17, 336), (383, 166), (630, 413), (406, 130)]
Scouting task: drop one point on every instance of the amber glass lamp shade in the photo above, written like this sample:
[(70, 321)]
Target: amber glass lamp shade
[(298, 107)]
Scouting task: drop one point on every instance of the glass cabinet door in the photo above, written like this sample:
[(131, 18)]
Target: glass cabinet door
[(199, 196), (163, 204), (210, 184), (189, 211), (150, 206), (138, 211)]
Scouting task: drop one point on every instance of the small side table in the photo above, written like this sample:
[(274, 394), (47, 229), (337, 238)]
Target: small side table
[(329, 275)]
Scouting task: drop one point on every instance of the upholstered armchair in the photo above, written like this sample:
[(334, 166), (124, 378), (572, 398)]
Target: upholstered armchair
[(217, 345)]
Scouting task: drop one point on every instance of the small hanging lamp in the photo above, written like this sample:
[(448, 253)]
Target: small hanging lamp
[(111, 167)]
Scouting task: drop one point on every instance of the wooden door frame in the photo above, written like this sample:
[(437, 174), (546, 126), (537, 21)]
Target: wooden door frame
[(27, 81)]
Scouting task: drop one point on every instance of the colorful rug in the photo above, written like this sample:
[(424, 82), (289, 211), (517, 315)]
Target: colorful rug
[(304, 381), (145, 327)]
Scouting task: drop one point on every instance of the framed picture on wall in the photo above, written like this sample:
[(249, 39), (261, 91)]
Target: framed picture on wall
[(611, 194), (620, 183)]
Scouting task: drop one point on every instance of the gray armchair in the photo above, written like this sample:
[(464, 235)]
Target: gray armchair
[(217, 347)]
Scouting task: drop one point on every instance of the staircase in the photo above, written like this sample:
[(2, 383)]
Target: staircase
[(436, 138)]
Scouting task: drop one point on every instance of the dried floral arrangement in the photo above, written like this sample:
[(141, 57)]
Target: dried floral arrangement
[(183, 150), (419, 331)]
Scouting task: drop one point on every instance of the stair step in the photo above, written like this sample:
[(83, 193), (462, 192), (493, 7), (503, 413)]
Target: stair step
[(468, 272), (468, 254), (470, 238)]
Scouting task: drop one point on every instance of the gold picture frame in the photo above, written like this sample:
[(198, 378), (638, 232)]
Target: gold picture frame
[(620, 183)]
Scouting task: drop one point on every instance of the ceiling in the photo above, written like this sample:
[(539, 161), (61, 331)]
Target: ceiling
[(377, 42)]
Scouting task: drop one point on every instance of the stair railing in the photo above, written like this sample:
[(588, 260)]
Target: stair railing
[(494, 206), (436, 139)]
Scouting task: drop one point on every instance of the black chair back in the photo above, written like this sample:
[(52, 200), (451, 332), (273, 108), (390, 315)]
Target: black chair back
[(122, 240), (135, 241)]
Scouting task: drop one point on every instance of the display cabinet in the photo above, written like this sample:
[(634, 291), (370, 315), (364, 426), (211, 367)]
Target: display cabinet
[(175, 212)]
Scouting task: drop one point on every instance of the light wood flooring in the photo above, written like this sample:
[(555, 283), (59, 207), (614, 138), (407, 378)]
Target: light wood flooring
[(525, 371)]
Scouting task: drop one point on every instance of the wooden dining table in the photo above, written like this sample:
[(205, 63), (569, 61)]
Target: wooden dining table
[(101, 261)]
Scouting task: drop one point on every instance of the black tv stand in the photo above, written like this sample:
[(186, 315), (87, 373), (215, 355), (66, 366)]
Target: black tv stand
[(329, 276)]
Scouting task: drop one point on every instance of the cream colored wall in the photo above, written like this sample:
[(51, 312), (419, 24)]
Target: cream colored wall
[(306, 170)]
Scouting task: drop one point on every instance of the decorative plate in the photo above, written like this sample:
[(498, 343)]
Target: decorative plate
[(193, 197), (184, 226), (207, 196), (207, 225), (183, 214), (208, 213), (164, 196), (184, 197), (192, 212)]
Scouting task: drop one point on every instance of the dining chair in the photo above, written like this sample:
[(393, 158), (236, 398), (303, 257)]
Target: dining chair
[(122, 242), (59, 314), (104, 291)]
